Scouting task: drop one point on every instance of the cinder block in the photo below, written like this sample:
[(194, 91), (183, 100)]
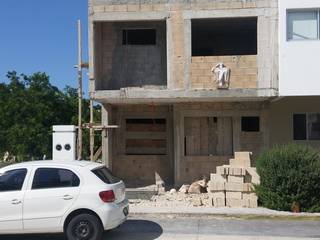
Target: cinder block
[(223, 170), (255, 178), (236, 171), (236, 179), (241, 159), (218, 198), (251, 199), (233, 195), (219, 202), (218, 194), (238, 187), (217, 177), (216, 186), (230, 202)]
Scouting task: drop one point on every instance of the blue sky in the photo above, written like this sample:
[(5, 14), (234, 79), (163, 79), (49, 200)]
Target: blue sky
[(41, 35)]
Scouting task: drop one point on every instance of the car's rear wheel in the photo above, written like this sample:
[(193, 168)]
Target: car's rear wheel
[(84, 227)]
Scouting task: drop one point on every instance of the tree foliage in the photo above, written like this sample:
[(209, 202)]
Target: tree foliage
[(29, 106), (290, 178)]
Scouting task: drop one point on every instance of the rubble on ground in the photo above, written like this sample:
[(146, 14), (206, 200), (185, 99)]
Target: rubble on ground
[(231, 186), (174, 200)]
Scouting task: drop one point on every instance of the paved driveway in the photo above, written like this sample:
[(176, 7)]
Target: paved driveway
[(198, 228)]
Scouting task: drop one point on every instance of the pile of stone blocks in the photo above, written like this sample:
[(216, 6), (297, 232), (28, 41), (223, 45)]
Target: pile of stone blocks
[(232, 185)]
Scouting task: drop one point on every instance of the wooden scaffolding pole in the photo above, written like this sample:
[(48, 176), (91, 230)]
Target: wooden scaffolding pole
[(79, 91)]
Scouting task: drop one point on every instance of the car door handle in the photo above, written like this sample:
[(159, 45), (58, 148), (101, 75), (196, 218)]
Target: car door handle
[(15, 201), (67, 197)]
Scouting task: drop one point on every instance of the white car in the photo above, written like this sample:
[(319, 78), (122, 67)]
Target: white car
[(79, 198)]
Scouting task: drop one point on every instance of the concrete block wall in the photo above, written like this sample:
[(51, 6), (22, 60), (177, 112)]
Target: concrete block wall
[(189, 168), (118, 66), (181, 70), (244, 71)]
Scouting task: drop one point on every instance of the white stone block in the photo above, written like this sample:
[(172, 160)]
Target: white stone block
[(233, 195), (237, 179), (217, 177), (230, 202), (255, 178), (216, 186)]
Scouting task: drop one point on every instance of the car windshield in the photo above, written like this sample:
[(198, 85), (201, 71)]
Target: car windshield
[(105, 175)]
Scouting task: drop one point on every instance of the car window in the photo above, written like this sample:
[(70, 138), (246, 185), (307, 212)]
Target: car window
[(12, 180), (105, 175), (54, 178)]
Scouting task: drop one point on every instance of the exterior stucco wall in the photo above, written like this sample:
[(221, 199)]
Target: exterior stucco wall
[(298, 64), (281, 118)]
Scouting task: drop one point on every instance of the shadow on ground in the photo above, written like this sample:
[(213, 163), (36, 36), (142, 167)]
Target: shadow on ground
[(131, 229)]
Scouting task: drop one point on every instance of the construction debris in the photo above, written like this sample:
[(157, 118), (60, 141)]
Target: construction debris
[(184, 188), (198, 187), (233, 184)]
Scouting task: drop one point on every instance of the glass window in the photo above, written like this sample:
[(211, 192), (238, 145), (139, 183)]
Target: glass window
[(105, 175), (314, 126), (302, 25), (12, 180), (250, 124), (299, 127), (306, 126), (54, 178)]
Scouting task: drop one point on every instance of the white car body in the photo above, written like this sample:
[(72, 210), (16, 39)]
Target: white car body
[(47, 210)]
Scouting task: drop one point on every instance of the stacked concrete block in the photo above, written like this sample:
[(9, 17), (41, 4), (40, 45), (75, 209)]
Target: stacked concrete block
[(232, 185)]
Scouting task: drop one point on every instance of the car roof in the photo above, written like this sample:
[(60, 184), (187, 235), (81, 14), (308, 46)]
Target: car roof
[(81, 163)]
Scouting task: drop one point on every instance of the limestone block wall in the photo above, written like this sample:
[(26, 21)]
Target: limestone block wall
[(118, 65), (182, 71), (191, 167), (244, 71), (142, 145)]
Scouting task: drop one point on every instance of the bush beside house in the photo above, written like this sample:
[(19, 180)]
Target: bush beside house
[(290, 178)]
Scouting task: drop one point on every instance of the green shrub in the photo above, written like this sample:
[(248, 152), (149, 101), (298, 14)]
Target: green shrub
[(290, 178)]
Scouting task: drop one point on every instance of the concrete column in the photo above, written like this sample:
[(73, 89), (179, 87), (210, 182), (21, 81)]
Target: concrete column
[(178, 147), (106, 137), (170, 84), (188, 53)]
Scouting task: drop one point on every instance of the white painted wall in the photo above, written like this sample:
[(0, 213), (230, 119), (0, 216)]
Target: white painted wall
[(299, 61)]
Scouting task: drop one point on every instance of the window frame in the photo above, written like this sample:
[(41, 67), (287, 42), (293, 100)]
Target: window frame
[(306, 126), (302, 10), (57, 168), (24, 180), (251, 116)]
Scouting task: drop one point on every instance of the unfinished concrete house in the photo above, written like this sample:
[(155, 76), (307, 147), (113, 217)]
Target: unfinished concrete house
[(189, 83)]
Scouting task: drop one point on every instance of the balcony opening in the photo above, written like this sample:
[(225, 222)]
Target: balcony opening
[(224, 36)]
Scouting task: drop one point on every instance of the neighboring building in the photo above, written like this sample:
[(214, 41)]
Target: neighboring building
[(151, 69)]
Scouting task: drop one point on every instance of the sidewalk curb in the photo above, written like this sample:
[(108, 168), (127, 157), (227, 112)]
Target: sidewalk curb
[(225, 216)]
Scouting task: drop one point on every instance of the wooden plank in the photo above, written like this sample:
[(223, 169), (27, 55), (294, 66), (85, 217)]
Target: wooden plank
[(204, 136), (146, 151), (156, 143), (145, 127), (146, 135), (213, 135), (225, 141)]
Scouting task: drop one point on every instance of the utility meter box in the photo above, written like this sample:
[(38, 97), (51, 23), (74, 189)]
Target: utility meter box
[(64, 143)]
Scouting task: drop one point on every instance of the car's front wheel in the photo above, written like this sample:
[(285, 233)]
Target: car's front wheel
[(84, 227)]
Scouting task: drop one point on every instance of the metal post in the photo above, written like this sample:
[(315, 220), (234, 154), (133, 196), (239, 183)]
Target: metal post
[(91, 131), (79, 91)]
